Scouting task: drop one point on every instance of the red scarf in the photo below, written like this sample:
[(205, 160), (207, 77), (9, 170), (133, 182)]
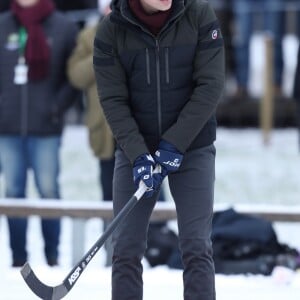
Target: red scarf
[(37, 51), (154, 22)]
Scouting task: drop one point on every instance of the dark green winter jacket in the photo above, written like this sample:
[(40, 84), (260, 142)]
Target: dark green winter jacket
[(160, 87), (36, 108)]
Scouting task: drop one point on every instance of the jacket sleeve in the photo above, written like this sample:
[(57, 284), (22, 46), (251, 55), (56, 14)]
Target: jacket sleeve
[(208, 78), (80, 64), (113, 92)]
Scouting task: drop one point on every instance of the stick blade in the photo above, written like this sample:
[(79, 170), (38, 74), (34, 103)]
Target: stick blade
[(42, 290)]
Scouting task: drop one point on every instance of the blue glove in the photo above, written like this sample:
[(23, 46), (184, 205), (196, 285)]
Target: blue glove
[(168, 157), (143, 170), (158, 177)]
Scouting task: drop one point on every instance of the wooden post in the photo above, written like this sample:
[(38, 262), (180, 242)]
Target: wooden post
[(267, 106)]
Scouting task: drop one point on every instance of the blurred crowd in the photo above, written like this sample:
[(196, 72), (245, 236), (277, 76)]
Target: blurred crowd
[(48, 94), (239, 20)]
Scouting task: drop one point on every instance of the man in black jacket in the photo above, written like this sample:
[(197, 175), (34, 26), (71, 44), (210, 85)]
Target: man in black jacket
[(34, 93), (159, 68)]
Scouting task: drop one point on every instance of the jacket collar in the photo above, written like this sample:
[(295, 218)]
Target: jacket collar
[(122, 14)]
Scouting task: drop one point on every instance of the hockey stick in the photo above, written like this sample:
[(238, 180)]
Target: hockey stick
[(58, 292)]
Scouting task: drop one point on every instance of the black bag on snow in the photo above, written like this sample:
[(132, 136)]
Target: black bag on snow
[(248, 244), (241, 244)]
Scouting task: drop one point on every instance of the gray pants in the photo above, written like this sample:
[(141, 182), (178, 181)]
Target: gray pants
[(192, 188)]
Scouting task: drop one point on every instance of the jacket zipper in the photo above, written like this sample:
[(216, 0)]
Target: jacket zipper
[(158, 88), (157, 64)]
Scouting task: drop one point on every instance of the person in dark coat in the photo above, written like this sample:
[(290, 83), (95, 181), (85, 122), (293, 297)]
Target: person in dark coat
[(81, 75), (159, 68), (244, 13), (296, 91), (36, 42)]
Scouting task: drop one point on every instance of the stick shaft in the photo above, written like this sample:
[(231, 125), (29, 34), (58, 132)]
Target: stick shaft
[(58, 292)]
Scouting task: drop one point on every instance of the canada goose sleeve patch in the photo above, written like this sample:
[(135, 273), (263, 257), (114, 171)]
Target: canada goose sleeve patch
[(210, 36)]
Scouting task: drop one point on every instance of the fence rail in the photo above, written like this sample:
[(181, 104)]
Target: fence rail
[(163, 211), (80, 211)]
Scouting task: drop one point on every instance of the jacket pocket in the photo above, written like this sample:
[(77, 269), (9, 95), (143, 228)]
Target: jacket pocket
[(148, 66), (167, 65)]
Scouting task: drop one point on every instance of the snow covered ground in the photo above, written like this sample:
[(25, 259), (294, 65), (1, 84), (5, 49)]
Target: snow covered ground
[(159, 283), (246, 172)]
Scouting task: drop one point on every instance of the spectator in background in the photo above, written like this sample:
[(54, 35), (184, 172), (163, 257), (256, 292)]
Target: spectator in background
[(36, 41), (66, 5), (223, 9), (294, 7), (63, 5), (79, 10), (244, 12), (296, 92), (81, 75)]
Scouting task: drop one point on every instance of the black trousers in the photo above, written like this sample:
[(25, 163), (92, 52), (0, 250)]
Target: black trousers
[(192, 188)]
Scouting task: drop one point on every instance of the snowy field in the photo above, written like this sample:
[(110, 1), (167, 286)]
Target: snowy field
[(246, 172)]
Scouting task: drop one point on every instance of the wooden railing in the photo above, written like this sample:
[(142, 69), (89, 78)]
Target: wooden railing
[(80, 211)]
